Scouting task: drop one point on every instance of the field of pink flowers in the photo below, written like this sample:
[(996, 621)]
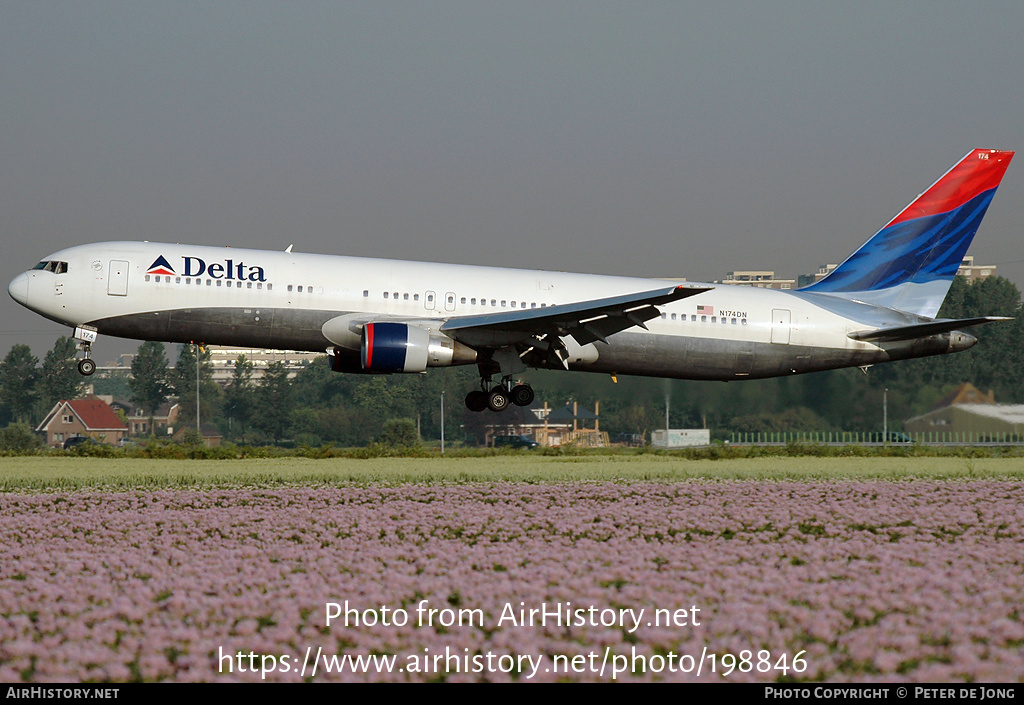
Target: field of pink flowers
[(875, 580)]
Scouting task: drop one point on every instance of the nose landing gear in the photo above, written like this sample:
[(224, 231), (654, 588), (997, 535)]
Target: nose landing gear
[(85, 336), (499, 397)]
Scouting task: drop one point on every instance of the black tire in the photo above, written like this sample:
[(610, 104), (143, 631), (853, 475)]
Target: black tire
[(522, 395), (476, 401), (86, 367), (497, 400)]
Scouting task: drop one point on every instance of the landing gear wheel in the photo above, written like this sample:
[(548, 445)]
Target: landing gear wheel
[(522, 395), (476, 401), (86, 367), (497, 400)]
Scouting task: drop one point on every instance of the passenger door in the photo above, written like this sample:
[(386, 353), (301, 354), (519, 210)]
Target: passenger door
[(781, 320), (117, 278)]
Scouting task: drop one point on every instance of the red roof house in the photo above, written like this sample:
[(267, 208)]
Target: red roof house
[(83, 417)]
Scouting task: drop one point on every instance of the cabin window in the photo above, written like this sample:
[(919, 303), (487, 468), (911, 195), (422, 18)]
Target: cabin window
[(664, 315), (248, 285), (743, 321), (733, 321), (366, 292), (703, 319), (415, 297), (693, 318), (405, 297), (503, 303), (259, 285), (238, 285), (396, 295), (385, 294), (473, 301), (533, 304), (300, 290), (147, 277), (188, 280), (290, 288), (177, 280), (673, 316), (462, 300), (493, 302), (513, 304), (269, 287)]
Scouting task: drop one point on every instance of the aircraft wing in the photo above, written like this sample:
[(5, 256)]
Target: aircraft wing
[(585, 321), (921, 330)]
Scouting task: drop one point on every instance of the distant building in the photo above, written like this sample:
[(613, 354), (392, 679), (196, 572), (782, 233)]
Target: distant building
[(82, 417), (766, 278), (761, 278), (164, 419), (561, 426), (807, 279), (973, 271), (211, 436), (222, 359), (969, 414)]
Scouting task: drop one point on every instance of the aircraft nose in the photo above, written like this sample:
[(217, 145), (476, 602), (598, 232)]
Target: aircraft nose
[(18, 288)]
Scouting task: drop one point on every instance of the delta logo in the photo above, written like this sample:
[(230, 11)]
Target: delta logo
[(160, 266), (198, 267)]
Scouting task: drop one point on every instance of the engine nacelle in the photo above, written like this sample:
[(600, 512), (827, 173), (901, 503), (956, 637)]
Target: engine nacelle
[(400, 347)]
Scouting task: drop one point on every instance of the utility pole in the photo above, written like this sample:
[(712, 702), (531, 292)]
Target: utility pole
[(885, 415), (442, 422), (196, 349)]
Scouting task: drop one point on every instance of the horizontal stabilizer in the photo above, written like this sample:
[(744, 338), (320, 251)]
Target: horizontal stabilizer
[(922, 330)]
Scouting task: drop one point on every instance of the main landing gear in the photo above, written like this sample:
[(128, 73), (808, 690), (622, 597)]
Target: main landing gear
[(499, 397)]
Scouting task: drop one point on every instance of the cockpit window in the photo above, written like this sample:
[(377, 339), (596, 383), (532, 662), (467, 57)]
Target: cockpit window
[(53, 266)]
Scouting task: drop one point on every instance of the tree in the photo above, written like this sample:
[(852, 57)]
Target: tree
[(399, 433), (183, 378), (275, 404), (149, 378), (18, 377), (60, 378), (240, 395), (19, 437)]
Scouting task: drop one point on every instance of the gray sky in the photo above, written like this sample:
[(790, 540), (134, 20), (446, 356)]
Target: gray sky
[(641, 138)]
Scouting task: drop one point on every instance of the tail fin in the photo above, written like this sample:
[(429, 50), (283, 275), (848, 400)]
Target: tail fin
[(910, 263)]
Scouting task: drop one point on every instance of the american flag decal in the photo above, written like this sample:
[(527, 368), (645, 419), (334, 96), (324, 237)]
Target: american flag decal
[(705, 309)]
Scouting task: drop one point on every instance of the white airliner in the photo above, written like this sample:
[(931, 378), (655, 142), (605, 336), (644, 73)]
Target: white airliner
[(388, 316)]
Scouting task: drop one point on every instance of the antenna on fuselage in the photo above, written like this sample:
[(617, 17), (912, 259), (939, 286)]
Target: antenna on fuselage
[(289, 248)]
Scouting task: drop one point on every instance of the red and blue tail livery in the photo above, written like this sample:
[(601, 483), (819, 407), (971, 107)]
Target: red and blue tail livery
[(910, 263)]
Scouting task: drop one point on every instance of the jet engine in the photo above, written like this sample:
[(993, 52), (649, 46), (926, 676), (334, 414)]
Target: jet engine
[(400, 347)]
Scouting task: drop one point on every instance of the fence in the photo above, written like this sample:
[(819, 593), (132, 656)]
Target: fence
[(876, 438)]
